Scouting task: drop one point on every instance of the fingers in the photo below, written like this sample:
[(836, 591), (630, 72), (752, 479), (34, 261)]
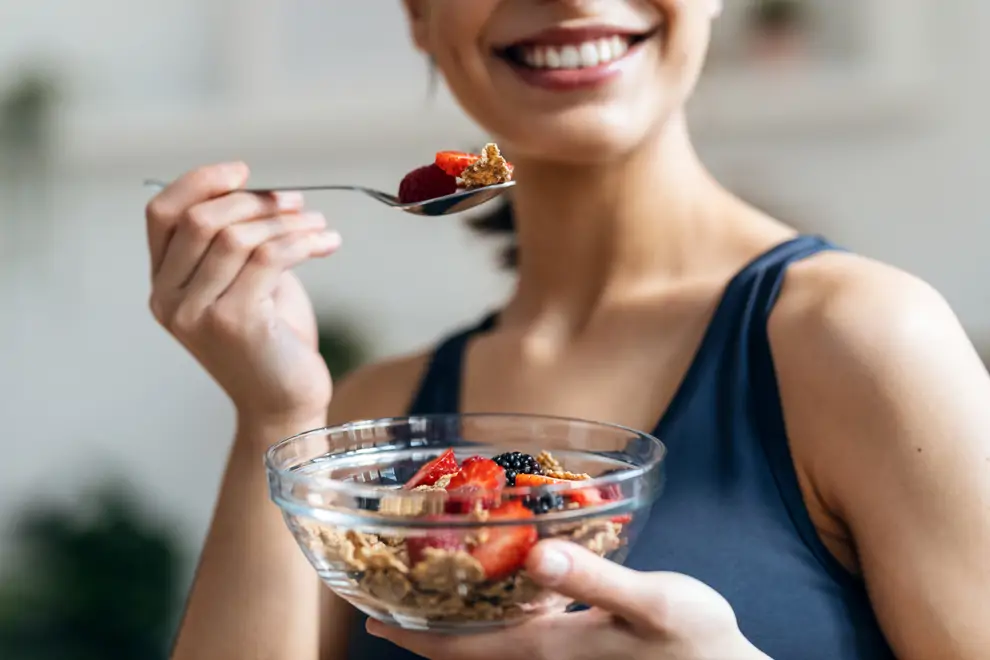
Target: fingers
[(260, 275), (256, 279), (202, 223), (583, 636), (233, 247), (167, 207), (483, 646), (573, 571)]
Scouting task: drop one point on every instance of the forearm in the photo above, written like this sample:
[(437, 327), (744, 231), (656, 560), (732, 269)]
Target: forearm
[(255, 595)]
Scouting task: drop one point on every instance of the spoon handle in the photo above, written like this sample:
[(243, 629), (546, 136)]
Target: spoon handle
[(159, 184)]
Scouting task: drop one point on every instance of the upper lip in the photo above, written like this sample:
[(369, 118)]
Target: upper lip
[(559, 36)]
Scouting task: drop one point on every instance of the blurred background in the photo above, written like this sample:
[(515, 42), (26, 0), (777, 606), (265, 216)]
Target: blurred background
[(864, 120)]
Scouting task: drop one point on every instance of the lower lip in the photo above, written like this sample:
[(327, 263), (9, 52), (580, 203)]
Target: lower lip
[(568, 80)]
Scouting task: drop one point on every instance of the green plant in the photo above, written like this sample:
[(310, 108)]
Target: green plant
[(92, 584), (342, 346), (778, 15), (25, 111)]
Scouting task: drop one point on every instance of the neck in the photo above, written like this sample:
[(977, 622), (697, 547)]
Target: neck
[(589, 234)]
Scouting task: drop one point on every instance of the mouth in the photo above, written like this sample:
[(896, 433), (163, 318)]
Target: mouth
[(564, 50)]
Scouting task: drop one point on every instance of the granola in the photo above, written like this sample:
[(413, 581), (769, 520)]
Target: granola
[(491, 169), (459, 574)]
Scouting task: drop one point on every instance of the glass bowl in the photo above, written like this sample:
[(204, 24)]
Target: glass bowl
[(401, 519)]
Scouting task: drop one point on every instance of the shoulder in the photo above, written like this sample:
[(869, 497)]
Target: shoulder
[(874, 368), (380, 389), (849, 310), (885, 404)]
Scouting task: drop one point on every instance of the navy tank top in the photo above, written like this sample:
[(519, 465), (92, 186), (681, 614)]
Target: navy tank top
[(732, 514)]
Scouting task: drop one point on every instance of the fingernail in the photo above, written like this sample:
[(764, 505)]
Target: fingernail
[(553, 564), (236, 173), (288, 200), (329, 240)]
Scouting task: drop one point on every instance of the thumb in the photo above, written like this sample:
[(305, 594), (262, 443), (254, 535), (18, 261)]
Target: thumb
[(577, 573), (665, 603)]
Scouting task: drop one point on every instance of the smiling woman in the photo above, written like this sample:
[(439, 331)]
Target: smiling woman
[(825, 414)]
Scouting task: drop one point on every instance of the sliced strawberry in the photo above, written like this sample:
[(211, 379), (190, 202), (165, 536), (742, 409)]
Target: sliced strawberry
[(425, 183), (477, 475), (430, 473), (611, 493), (455, 162), (505, 549), (438, 539)]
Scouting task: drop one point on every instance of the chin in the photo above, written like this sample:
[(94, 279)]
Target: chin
[(581, 136)]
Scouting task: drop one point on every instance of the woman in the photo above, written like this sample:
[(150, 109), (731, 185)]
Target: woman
[(826, 416)]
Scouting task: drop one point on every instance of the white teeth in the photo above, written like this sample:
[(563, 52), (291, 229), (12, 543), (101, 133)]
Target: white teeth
[(604, 47), (589, 54), (576, 56), (570, 57)]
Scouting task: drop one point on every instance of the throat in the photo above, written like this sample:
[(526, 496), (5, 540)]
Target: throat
[(590, 235)]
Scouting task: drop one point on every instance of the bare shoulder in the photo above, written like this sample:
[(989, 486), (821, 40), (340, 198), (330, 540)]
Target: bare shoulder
[(845, 302), (885, 404), (874, 369), (848, 330), (380, 389)]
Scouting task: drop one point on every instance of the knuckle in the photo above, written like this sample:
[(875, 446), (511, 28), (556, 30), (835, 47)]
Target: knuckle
[(232, 239), (157, 308), (269, 254), (199, 222), (184, 321), (157, 211)]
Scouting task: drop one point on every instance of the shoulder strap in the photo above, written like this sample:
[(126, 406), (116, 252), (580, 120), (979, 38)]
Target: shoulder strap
[(743, 310), (760, 394), (440, 389)]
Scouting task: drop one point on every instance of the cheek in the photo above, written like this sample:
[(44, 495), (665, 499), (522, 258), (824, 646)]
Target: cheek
[(455, 25), (454, 36)]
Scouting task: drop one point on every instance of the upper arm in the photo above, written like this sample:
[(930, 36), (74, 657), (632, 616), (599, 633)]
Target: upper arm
[(888, 411), (378, 390)]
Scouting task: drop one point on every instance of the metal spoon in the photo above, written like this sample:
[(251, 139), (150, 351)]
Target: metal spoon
[(462, 200)]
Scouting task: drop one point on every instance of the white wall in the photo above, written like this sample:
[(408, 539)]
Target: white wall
[(89, 384)]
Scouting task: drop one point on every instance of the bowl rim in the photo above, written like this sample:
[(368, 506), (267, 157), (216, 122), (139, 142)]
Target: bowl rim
[(369, 491)]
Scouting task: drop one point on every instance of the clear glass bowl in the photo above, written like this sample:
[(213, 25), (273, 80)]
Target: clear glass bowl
[(452, 561)]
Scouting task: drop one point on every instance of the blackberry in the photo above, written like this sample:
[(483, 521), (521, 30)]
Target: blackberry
[(516, 462), (544, 503)]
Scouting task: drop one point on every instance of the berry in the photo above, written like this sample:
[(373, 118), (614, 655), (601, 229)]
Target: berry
[(476, 474), (506, 548), (612, 492), (430, 473), (455, 162), (416, 546), (515, 463), (425, 183), (544, 503)]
